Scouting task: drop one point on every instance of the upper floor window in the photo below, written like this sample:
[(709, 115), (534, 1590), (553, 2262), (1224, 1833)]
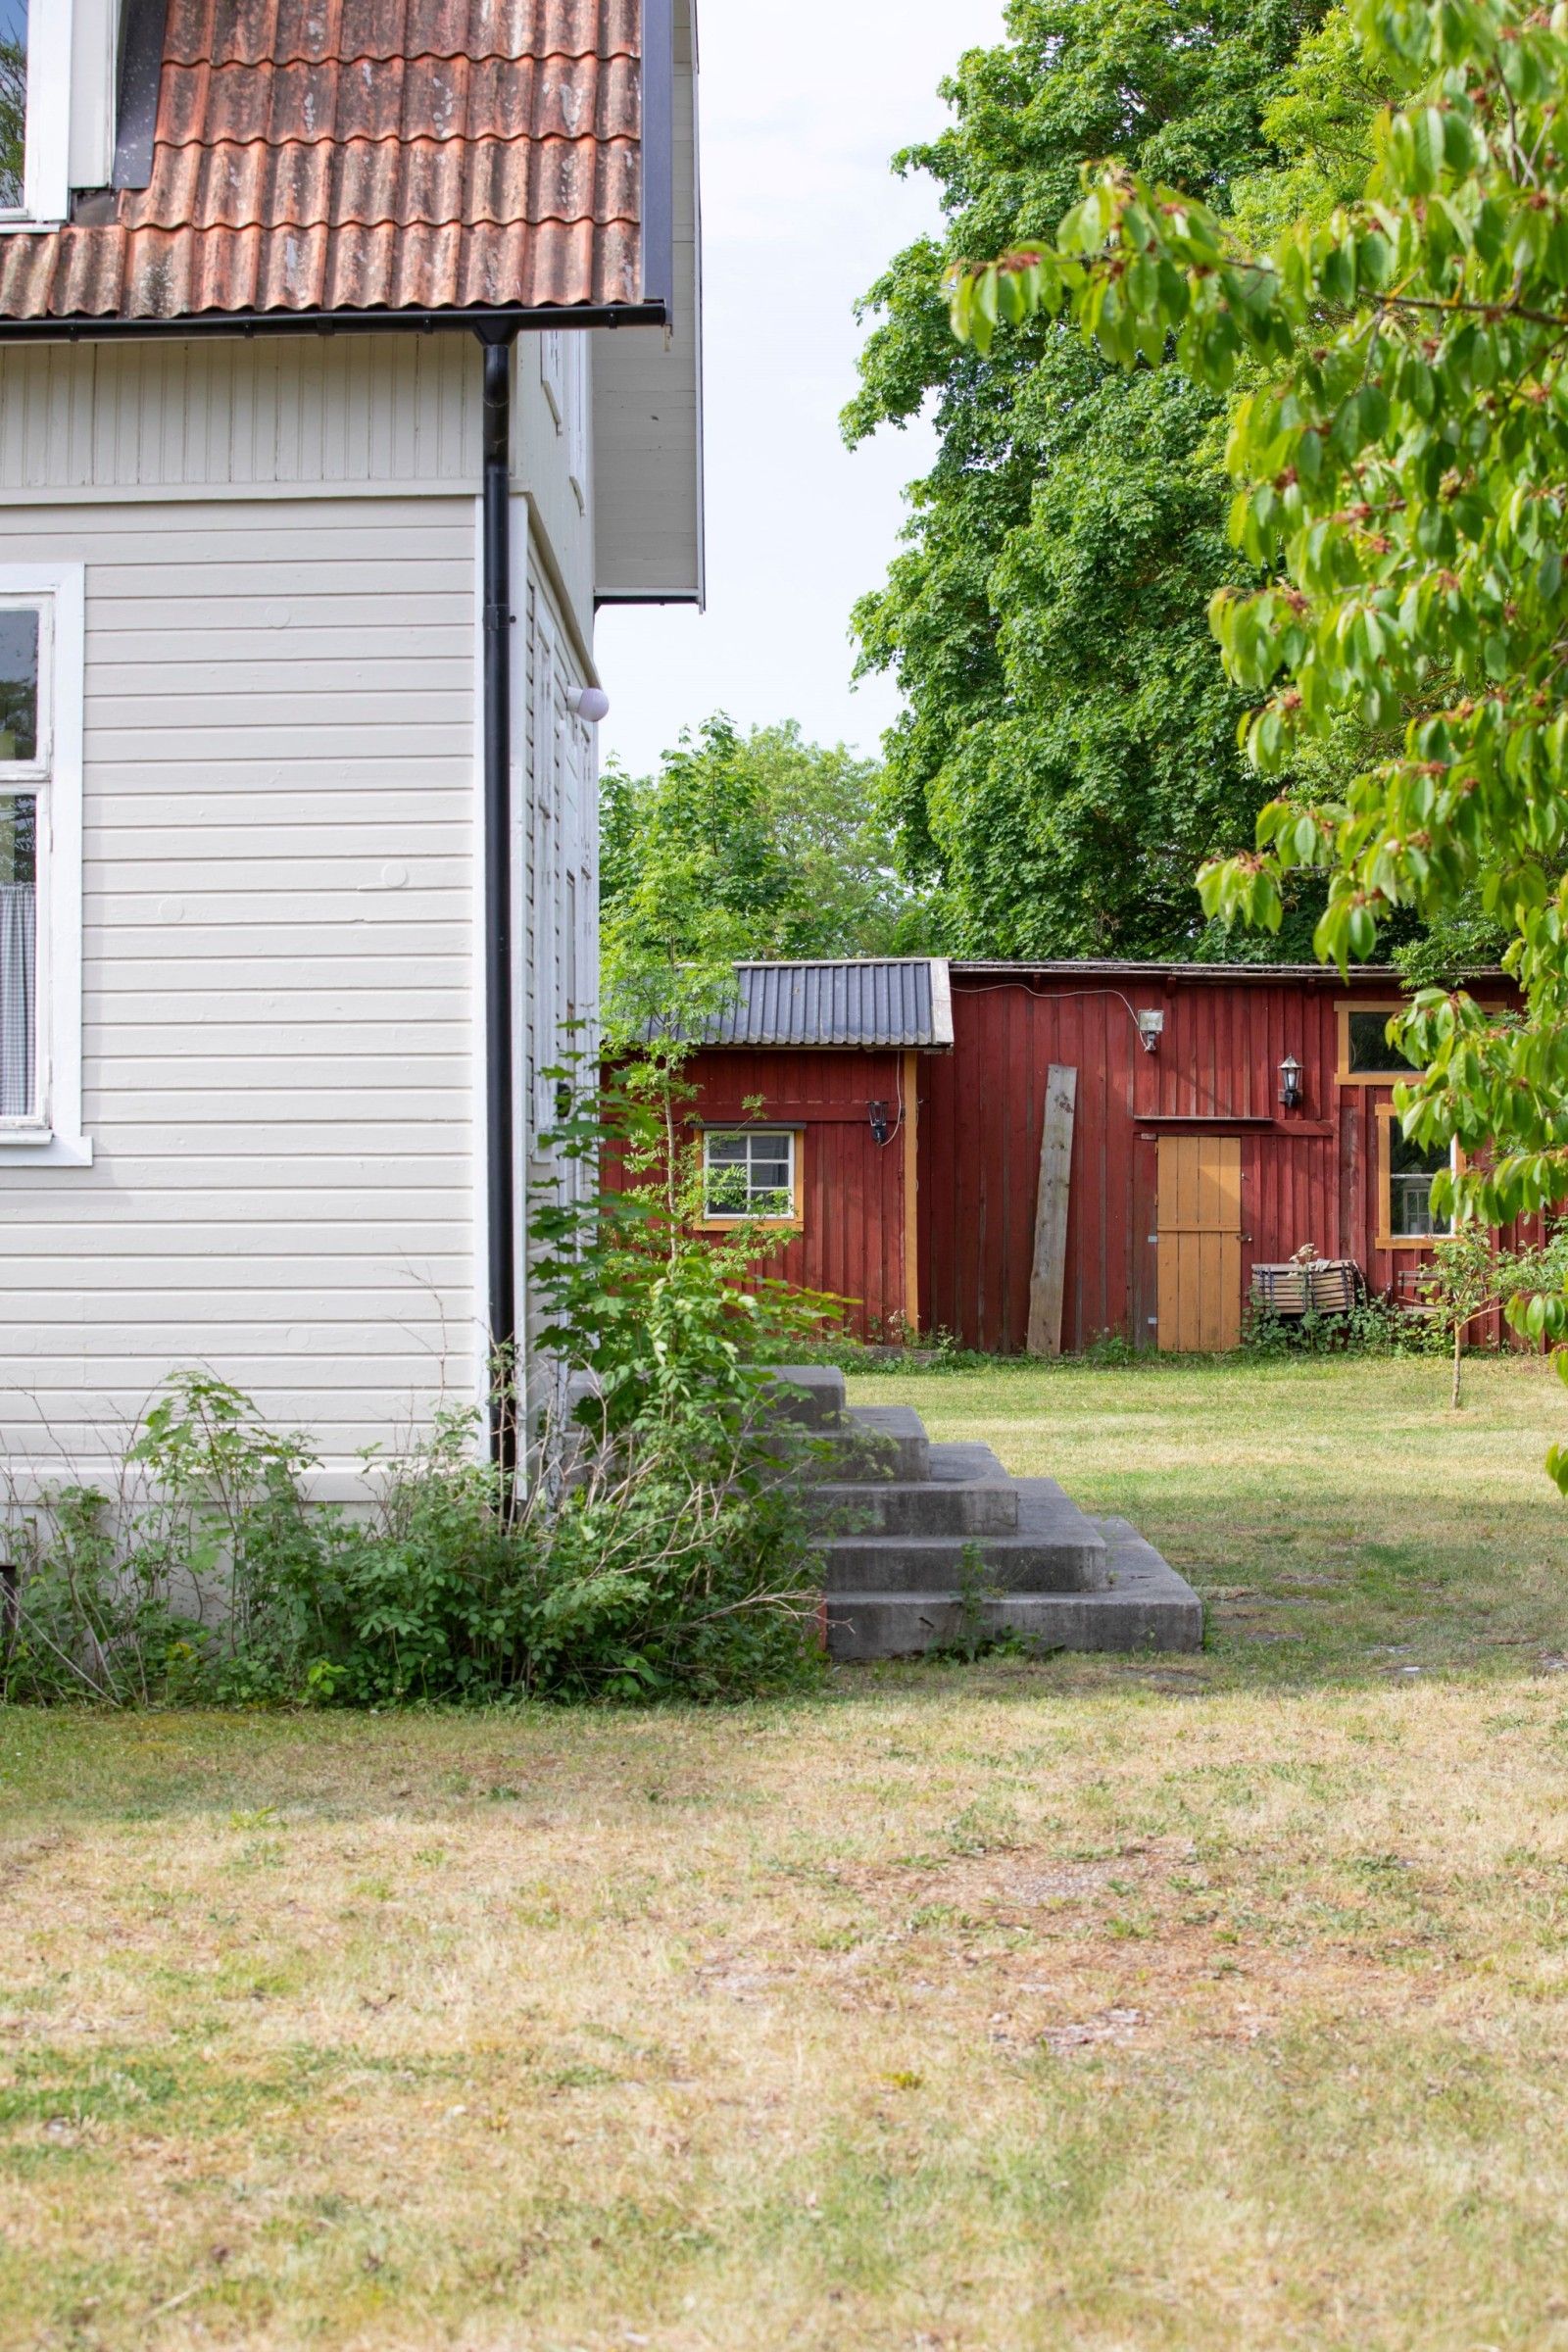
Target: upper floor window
[(13, 105), (1366, 1057), (57, 72)]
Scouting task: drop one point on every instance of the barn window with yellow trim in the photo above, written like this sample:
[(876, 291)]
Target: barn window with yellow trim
[(750, 1172), (1406, 1169)]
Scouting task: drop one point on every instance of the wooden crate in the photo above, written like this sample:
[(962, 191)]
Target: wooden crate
[(1329, 1286)]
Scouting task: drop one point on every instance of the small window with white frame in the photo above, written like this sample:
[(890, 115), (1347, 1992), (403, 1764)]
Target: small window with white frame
[(751, 1173), (40, 866)]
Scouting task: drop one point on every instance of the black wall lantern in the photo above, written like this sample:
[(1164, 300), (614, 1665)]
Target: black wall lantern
[(1291, 1083), (880, 1126)]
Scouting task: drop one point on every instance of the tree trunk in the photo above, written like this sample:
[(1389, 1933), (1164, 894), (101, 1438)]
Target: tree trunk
[(1458, 1362)]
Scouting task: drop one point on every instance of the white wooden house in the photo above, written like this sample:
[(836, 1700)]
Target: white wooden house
[(349, 360)]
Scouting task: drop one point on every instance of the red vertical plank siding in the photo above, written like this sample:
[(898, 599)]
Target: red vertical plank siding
[(851, 1240), (1308, 1175)]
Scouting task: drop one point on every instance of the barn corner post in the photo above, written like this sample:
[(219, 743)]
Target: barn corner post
[(1047, 1280), (496, 343)]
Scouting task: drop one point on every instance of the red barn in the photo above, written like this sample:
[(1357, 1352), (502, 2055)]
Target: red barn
[(1098, 1147)]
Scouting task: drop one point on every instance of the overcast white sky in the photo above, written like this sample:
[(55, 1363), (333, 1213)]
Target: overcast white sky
[(801, 109)]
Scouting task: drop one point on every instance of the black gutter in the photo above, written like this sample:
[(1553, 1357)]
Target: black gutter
[(485, 320), (500, 1104)]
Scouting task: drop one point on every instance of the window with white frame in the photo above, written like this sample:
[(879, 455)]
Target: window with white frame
[(39, 82), (13, 105), (750, 1172), (23, 780), (40, 866)]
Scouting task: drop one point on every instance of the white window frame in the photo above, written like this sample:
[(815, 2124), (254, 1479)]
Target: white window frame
[(46, 186), (52, 1137), (715, 1221), (95, 30)]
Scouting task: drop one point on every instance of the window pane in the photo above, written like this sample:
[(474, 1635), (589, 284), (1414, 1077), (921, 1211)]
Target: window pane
[(19, 684), (1370, 1049), (1411, 1168), (724, 1175), (18, 931), (13, 102), (750, 1174)]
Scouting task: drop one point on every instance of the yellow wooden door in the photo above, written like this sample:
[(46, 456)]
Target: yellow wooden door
[(1199, 1242)]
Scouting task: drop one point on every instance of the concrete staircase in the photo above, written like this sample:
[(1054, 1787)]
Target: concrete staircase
[(925, 1547)]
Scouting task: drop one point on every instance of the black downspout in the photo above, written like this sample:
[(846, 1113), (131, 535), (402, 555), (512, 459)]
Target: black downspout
[(499, 1108)]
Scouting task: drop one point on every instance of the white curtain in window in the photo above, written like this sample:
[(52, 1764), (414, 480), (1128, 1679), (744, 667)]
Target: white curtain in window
[(18, 995)]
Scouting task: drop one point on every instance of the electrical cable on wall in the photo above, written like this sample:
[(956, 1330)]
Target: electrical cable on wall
[(881, 1133), (1148, 1038)]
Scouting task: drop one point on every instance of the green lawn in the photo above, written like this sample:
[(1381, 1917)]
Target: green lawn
[(1330, 1512), (1216, 2005)]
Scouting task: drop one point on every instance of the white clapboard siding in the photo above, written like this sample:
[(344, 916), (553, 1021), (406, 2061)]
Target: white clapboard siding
[(346, 415), (279, 1013), (561, 523)]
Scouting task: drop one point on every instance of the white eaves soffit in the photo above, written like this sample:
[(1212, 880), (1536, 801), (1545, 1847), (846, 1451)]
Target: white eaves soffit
[(648, 397)]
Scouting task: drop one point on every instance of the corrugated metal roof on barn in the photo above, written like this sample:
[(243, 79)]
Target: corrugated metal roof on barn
[(367, 154), (891, 1001)]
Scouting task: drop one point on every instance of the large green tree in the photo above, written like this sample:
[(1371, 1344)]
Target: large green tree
[(744, 845), (1402, 462), (1068, 752)]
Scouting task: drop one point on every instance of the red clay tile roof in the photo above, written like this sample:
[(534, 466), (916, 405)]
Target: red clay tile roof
[(367, 154)]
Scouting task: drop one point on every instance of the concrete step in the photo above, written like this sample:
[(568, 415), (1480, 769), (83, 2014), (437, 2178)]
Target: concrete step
[(966, 1461), (1145, 1606), (938, 1506), (1052, 1549), (874, 1442), (810, 1394)]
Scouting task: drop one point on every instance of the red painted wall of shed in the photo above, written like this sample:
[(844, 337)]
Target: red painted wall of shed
[(853, 1238), (1219, 1057)]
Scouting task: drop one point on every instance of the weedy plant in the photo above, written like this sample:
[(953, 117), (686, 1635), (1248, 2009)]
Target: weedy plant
[(659, 1545)]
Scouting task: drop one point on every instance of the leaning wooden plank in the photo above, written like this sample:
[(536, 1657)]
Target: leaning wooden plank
[(1048, 1278)]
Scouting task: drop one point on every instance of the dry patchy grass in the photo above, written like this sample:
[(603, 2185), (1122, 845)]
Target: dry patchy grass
[(1073, 2004)]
